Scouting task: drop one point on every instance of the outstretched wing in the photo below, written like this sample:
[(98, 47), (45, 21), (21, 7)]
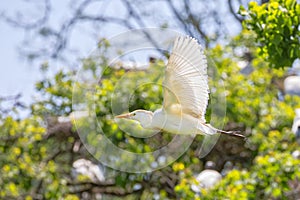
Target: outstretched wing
[(186, 81)]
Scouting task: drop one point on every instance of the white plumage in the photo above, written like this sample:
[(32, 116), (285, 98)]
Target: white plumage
[(296, 125), (186, 94), (208, 178), (87, 168), (292, 85), (186, 77)]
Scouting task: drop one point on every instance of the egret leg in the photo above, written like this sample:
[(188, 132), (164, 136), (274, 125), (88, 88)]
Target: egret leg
[(232, 133)]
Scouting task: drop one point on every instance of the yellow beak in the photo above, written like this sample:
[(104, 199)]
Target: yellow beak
[(126, 115)]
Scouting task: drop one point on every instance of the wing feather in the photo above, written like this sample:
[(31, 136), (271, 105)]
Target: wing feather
[(186, 81)]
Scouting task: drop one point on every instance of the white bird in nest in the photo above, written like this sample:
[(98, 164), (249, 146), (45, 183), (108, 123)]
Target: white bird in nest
[(186, 94)]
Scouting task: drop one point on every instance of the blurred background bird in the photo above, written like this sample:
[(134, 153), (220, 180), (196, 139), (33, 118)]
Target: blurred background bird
[(186, 94), (296, 125)]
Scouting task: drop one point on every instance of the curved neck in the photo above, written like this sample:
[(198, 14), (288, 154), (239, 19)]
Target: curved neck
[(146, 119)]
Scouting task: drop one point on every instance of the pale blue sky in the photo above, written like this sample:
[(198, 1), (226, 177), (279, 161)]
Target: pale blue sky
[(18, 75)]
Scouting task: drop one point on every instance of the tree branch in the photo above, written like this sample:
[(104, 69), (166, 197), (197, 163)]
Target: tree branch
[(235, 15), (109, 188), (18, 23)]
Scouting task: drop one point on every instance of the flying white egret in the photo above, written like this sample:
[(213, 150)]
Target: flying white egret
[(186, 94)]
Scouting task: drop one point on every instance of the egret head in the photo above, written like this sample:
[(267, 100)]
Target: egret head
[(142, 116)]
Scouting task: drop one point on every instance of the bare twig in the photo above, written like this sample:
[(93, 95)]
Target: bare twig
[(36, 24), (234, 13)]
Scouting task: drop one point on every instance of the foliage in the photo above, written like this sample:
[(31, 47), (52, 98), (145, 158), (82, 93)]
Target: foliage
[(276, 25), (38, 165), (31, 166), (54, 94), (27, 165), (270, 176), (252, 102)]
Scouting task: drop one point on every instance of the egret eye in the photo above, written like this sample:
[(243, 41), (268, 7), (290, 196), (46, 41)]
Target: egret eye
[(182, 78)]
